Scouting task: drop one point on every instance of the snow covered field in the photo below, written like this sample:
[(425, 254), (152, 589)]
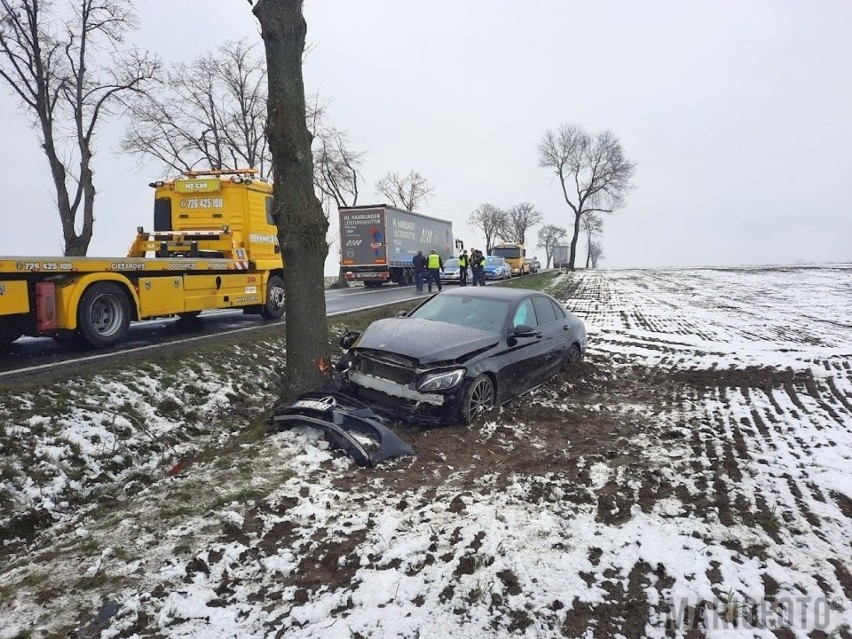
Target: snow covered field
[(692, 478)]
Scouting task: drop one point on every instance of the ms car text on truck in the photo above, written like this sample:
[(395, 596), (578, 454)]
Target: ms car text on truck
[(214, 245)]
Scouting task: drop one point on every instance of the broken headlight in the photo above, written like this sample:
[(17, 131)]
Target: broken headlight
[(441, 381)]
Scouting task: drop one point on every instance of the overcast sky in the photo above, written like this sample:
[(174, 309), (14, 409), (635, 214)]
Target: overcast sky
[(738, 115)]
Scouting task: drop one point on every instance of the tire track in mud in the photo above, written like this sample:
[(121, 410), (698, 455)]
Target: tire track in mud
[(741, 420)]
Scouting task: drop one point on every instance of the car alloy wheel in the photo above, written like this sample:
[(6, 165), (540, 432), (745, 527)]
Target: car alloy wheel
[(574, 354), (478, 399)]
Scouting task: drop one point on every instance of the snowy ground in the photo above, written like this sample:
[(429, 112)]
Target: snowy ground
[(692, 478)]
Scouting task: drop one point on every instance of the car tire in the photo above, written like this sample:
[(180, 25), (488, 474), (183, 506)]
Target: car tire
[(478, 399), (274, 306), (103, 314), (573, 356)]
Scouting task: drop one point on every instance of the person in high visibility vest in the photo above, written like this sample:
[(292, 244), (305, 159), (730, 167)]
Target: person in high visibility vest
[(434, 268), (464, 262)]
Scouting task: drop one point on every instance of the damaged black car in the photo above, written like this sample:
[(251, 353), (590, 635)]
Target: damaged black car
[(460, 353)]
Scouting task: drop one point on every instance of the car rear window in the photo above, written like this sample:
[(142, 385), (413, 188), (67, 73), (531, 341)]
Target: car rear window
[(544, 310), (560, 312)]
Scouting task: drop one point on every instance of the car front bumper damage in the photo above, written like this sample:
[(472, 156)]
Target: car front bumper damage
[(394, 389), (346, 423), (401, 402)]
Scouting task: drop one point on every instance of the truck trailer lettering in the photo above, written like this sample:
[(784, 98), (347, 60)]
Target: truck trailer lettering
[(128, 266)]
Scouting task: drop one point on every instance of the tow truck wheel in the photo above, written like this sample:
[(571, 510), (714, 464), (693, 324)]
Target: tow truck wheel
[(274, 307), (103, 314)]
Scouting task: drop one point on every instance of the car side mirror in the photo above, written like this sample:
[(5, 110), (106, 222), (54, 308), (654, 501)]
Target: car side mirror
[(348, 339), (402, 314), (523, 330)]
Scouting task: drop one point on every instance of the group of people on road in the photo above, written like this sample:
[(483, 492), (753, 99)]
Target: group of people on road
[(477, 267), (430, 268)]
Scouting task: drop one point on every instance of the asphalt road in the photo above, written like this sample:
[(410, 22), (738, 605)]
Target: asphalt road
[(29, 356)]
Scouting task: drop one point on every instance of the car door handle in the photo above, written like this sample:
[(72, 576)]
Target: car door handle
[(566, 327)]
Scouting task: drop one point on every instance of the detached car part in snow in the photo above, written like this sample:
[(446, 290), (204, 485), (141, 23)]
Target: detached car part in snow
[(345, 422)]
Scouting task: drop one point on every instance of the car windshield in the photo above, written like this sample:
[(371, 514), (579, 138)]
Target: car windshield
[(454, 263), (494, 261), (475, 312)]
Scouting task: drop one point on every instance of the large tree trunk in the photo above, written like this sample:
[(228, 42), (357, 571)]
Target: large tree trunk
[(574, 239), (298, 213)]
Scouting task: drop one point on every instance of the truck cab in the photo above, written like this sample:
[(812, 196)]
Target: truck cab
[(515, 254), (199, 201)]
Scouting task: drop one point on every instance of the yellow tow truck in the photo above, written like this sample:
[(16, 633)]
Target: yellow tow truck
[(214, 246)]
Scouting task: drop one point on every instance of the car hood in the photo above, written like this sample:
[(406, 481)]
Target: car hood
[(427, 341)]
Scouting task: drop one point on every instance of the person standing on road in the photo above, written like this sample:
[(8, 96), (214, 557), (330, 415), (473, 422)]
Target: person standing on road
[(464, 262), (478, 267), (434, 268), (419, 263)]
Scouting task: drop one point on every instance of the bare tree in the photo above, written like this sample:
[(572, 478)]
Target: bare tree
[(596, 253), (337, 167), (302, 226), (70, 73), (407, 192), (491, 221), (593, 171), (548, 237), (592, 227), (210, 112), (519, 219), (337, 170)]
